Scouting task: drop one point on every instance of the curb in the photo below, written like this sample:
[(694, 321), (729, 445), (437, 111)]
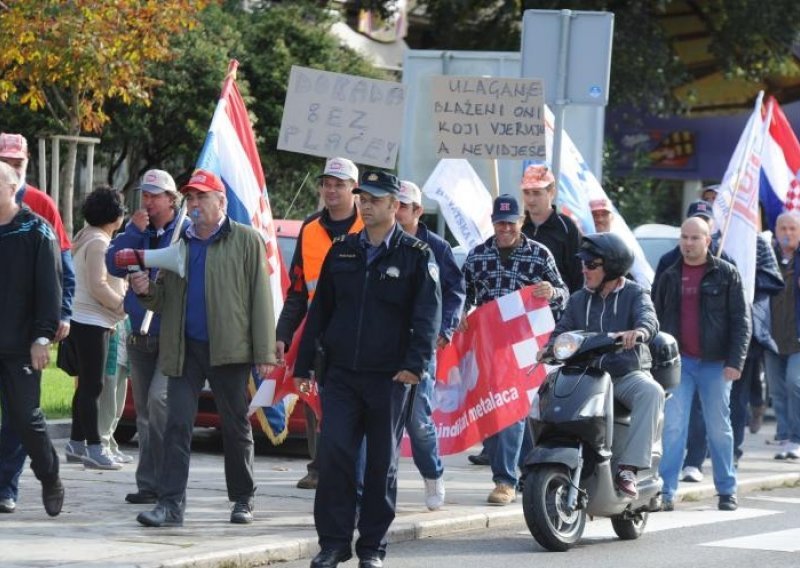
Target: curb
[(59, 428), (511, 516)]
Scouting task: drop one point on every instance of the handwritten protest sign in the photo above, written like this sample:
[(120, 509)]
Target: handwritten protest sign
[(331, 114), (488, 117)]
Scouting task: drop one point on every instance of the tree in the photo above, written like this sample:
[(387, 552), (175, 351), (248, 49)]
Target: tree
[(277, 37), (70, 57)]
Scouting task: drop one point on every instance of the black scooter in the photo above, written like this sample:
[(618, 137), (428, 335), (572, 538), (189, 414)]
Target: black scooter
[(575, 422)]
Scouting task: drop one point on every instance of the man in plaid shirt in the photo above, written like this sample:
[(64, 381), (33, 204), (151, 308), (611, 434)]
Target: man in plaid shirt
[(507, 262)]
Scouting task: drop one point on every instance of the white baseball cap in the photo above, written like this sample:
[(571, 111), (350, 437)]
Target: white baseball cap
[(409, 193), (341, 168), (157, 181)]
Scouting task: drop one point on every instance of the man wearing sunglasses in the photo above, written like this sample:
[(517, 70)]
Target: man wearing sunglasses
[(609, 302)]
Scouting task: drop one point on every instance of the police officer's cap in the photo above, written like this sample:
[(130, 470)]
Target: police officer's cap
[(378, 183)]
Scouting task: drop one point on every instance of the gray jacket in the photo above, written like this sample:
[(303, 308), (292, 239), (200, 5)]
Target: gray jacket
[(628, 307)]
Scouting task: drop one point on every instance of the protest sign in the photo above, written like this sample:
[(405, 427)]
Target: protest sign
[(488, 117), (332, 114)]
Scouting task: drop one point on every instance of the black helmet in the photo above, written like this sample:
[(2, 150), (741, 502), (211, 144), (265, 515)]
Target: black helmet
[(616, 254), (666, 357)]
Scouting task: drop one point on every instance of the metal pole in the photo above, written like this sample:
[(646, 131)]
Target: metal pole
[(43, 164), (55, 159), (561, 92), (89, 167)]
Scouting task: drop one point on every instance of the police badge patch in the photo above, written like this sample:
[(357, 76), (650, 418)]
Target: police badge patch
[(433, 270)]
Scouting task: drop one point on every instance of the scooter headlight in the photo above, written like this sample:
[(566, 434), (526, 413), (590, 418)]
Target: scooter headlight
[(566, 345), (535, 413)]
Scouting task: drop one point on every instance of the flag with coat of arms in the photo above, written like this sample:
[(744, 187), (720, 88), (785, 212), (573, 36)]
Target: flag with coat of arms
[(779, 186)]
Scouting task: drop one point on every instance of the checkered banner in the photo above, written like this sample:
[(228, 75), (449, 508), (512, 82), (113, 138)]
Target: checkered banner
[(486, 376)]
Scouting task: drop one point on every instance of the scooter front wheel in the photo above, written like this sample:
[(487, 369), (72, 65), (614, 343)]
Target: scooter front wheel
[(544, 502), (629, 528)]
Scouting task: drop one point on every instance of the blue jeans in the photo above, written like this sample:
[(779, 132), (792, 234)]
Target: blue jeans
[(706, 379), (504, 449), (783, 374), (12, 456), (420, 427)]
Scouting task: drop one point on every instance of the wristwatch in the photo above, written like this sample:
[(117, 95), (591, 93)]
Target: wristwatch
[(43, 341)]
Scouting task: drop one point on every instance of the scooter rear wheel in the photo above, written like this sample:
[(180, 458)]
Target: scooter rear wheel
[(629, 529), (544, 499)]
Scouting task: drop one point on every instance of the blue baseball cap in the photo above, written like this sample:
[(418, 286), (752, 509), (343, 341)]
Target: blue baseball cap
[(505, 209)]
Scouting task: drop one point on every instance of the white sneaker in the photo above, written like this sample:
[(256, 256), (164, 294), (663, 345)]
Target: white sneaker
[(783, 451), (434, 493), (792, 450), (120, 457), (691, 473), (74, 451)]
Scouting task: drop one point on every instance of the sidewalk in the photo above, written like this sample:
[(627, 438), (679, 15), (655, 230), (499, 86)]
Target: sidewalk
[(97, 528)]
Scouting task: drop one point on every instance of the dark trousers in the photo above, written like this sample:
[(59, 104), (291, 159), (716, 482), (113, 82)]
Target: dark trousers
[(12, 454), (91, 349), (312, 438), (20, 390), (358, 406), (229, 385)]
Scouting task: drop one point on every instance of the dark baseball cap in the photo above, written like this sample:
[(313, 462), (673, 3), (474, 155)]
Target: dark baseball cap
[(700, 208), (378, 183), (505, 209)]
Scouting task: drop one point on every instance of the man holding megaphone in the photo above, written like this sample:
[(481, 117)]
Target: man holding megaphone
[(216, 323), (149, 230)]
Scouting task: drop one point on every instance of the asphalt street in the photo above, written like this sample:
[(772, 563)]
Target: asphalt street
[(765, 532)]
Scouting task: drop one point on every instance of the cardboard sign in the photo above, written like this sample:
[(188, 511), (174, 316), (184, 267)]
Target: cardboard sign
[(332, 114), (489, 117)]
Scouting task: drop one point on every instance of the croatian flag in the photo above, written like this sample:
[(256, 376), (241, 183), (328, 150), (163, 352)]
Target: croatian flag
[(577, 186), (780, 168), (230, 152)]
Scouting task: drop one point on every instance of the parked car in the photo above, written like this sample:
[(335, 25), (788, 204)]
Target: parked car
[(207, 416), (656, 239)]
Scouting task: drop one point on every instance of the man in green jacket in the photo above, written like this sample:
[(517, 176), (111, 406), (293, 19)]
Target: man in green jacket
[(216, 323)]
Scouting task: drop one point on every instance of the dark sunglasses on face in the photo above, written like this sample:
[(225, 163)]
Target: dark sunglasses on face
[(592, 264)]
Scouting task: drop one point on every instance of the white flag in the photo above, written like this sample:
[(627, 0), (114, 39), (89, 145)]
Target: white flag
[(736, 205), (463, 200)]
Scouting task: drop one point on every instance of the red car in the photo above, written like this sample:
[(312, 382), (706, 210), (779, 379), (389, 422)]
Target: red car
[(207, 417)]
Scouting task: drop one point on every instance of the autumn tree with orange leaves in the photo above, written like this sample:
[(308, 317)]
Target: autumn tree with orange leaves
[(68, 57)]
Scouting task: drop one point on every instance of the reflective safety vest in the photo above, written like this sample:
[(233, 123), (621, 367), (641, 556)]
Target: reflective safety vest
[(316, 244)]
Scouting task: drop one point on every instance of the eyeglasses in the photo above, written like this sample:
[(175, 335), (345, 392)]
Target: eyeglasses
[(592, 265)]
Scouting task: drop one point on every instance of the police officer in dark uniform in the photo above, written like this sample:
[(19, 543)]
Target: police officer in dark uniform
[(376, 315)]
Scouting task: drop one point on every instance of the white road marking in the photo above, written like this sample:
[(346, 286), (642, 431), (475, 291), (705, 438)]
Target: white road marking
[(780, 541), (787, 500)]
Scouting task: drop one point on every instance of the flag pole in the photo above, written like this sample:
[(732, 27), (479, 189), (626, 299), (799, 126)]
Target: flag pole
[(739, 170)]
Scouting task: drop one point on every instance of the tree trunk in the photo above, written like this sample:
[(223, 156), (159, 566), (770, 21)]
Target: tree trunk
[(68, 185)]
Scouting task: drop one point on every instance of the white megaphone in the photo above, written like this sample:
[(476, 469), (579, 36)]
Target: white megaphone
[(172, 258)]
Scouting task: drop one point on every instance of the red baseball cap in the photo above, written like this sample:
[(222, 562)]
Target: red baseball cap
[(204, 180)]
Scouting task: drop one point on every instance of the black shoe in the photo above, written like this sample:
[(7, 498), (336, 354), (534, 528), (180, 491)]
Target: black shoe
[(142, 498), (53, 497), (160, 517), (370, 562), (242, 513), (331, 557), (667, 505), (309, 481), (478, 459), (7, 505), (727, 503)]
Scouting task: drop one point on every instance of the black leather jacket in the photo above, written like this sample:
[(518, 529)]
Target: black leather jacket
[(725, 325)]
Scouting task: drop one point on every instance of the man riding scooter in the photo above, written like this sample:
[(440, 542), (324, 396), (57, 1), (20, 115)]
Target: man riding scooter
[(610, 303)]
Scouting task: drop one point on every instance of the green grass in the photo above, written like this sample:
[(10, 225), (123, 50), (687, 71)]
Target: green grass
[(57, 390)]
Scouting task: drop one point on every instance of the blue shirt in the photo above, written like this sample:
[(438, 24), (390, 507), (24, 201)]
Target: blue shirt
[(196, 312)]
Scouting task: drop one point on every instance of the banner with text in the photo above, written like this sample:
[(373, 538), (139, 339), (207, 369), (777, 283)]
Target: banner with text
[(485, 377), (488, 117), (332, 114)]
